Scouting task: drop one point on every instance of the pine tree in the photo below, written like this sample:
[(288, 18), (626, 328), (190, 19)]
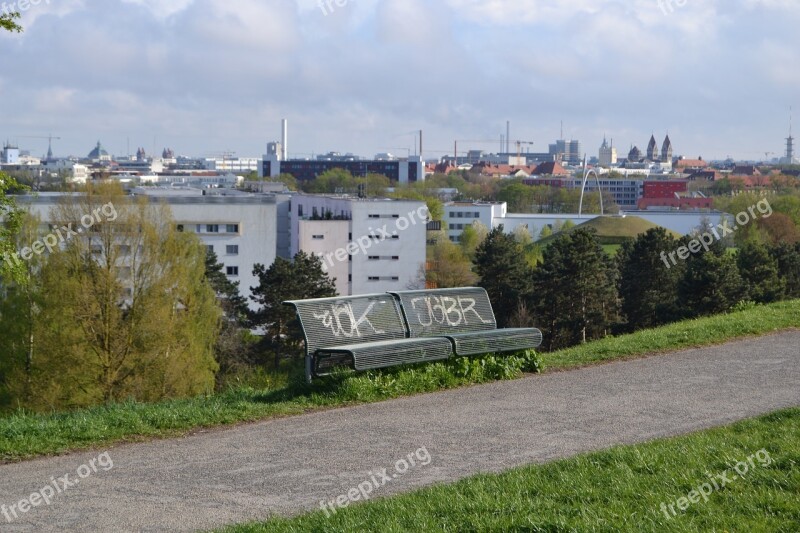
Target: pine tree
[(760, 274), (504, 273), (648, 287), (710, 285), (231, 349), (787, 257), (575, 294), (300, 279)]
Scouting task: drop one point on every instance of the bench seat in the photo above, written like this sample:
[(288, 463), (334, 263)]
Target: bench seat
[(382, 354), (499, 340)]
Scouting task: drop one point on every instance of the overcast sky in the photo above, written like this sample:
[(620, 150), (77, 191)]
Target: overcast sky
[(205, 76)]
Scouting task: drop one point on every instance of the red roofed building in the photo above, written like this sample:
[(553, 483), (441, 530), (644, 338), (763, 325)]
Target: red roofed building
[(550, 168)]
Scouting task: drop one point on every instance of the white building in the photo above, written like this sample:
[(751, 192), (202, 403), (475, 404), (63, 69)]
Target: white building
[(368, 245), (233, 164), (459, 215)]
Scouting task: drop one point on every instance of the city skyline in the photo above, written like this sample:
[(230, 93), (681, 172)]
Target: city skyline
[(204, 77)]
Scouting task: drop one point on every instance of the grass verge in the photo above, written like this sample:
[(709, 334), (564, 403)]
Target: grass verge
[(621, 489), (25, 435)]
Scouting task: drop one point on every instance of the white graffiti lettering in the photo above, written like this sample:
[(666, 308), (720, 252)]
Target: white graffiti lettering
[(446, 310), (341, 320)]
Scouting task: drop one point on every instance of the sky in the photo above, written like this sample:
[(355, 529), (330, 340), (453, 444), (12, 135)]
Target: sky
[(209, 76)]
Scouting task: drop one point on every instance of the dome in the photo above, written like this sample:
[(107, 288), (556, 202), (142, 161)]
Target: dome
[(98, 152)]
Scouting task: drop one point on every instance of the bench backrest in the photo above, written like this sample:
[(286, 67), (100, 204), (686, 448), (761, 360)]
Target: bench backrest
[(447, 311), (329, 322)]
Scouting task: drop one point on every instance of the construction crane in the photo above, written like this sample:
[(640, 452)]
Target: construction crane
[(48, 137), (519, 147)]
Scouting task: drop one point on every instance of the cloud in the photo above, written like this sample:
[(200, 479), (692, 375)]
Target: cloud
[(207, 75)]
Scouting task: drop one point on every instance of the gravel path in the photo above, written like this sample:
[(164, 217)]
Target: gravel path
[(288, 466)]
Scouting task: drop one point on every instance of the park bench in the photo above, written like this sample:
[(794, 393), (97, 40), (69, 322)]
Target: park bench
[(465, 317), (361, 332), (382, 330)]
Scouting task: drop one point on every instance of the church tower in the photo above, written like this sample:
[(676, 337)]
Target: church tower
[(666, 150), (652, 149)]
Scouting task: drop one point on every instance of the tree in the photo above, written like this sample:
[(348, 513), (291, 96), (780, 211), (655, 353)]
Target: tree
[(300, 279), (12, 218), (647, 287), (472, 237), (126, 311), (449, 267), (8, 22), (760, 274), (787, 258), (711, 284), (504, 273), (778, 228), (519, 197), (231, 350), (20, 312), (574, 290)]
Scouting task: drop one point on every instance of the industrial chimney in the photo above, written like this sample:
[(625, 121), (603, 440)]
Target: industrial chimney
[(285, 140)]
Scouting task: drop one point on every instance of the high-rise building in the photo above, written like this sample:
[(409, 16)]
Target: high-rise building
[(565, 151)]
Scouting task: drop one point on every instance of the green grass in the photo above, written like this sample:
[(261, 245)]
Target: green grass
[(620, 489), (612, 229), (25, 435), (718, 329)]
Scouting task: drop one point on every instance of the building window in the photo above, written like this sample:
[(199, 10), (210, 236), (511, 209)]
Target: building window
[(232, 249), (452, 227), (179, 227), (212, 228), (395, 258), (210, 248), (318, 237), (374, 216), (350, 278), (396, 237), (232, 271), (477, 214), (232, 228), (374, 258), (460, 214), (300, 210), (374, 278)]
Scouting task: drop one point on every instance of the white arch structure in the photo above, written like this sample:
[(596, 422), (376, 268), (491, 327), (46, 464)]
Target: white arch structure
[(586, 174)]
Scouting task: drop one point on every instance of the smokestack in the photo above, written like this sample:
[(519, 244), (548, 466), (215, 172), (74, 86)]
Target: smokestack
[(285, 140), (508, 136)]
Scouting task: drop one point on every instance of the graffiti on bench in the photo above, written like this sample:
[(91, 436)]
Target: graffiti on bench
[(446, 311), (341, 320)]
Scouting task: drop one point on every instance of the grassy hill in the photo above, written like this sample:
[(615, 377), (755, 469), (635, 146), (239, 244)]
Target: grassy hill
[(614, 229)]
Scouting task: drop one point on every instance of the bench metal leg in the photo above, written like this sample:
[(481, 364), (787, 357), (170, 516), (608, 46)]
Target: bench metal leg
[(309, 363)]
